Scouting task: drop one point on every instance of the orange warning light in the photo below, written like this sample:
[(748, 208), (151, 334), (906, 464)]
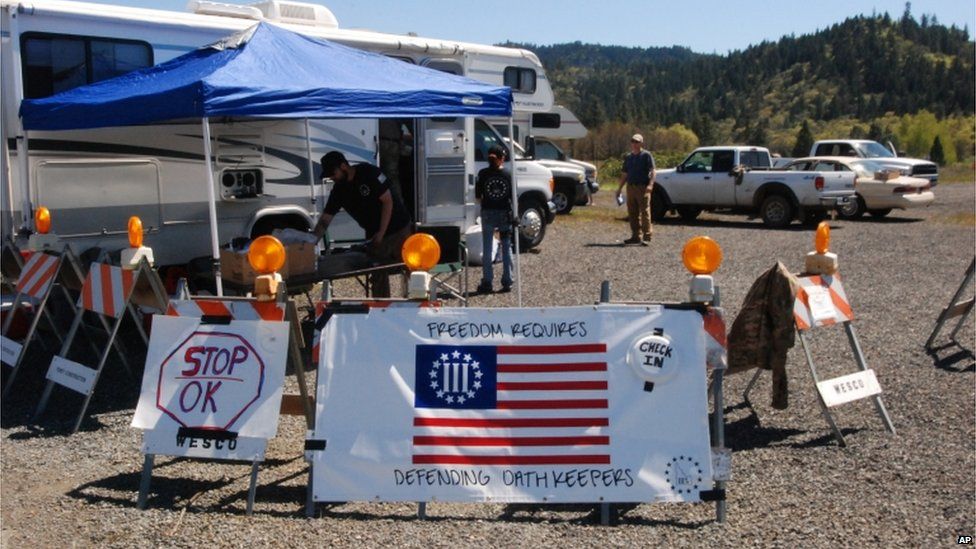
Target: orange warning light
[(42, 220), (421, 252), (701, 255), (822, 240), (266, 254), (135, 232)]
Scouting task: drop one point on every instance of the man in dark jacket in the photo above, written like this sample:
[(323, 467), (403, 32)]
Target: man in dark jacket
[(364, 192)]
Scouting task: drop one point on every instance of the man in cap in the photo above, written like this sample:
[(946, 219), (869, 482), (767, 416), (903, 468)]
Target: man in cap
[(494, 190), (638, 175), (364, 192)]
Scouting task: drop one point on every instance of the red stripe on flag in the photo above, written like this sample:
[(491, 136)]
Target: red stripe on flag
[(550, 404), (511, 441), (552, 386), (515, 423), (551, 349), (563, 367), (434, 459)]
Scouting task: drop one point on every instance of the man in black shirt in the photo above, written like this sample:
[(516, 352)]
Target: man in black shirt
[(364, 192), (494, 190)]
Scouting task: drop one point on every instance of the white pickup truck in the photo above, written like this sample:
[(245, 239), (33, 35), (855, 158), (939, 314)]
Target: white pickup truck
[(738, 179)]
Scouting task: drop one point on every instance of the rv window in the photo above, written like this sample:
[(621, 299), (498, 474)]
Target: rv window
[(546, 120), (56, 62), (547, 151), (520, 79)]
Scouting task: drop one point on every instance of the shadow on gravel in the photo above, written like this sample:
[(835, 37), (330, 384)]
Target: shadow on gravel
[(889, 220), (960, 361), (589, 514), (170, 492), (749, 434), (604, 245), (723, 224)]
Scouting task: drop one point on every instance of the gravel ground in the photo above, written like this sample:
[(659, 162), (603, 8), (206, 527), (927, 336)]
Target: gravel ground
[(791, 483)]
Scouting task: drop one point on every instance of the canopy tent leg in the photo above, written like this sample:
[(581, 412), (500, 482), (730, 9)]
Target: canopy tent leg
[(515, 211), (212, 204)]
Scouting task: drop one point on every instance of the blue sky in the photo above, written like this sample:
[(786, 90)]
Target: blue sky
[(705, 26)]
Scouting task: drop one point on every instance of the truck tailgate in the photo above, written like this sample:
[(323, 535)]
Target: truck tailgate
[(837, 181)]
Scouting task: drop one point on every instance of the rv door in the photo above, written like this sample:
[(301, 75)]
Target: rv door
[(443, 183)]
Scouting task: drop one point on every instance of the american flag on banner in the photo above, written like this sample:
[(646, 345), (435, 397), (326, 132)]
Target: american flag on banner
[(511, 405)]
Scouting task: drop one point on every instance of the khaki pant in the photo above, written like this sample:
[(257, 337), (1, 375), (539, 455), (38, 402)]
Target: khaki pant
[(389, 251), (639, 210)]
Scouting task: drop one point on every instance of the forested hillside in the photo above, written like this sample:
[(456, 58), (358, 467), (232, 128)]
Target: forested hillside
[(904, 79)]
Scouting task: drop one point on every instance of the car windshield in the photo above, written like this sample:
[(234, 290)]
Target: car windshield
[(519, 151), (873, 150), (867, 168)]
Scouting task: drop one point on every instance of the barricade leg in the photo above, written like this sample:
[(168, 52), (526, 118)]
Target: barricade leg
[(27, 340), (604, 514), (755, 378), (422, 510), (718, 433), (309, 494), (147, 467), (65, 347), (946, 313), (962, 320), (823, 407), (98, 373), (253, 488), (861, 363), (294, 353)]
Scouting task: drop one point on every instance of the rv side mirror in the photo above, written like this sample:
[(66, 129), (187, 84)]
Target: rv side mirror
[(530, 147)]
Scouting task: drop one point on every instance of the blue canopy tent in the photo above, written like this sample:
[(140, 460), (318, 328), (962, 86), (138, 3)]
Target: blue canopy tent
[(266, 72)]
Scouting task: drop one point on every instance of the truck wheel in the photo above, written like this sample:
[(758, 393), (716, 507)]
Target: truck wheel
[(854, 209), (776, 211), (659, 206), (564, 197), (880, 213), (688, 213), (532, 224)]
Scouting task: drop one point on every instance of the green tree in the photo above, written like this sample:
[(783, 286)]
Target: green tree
[(804, 140), (937, 154)]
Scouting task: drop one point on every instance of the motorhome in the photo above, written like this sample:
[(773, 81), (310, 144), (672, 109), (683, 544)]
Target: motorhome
[(266, 171)]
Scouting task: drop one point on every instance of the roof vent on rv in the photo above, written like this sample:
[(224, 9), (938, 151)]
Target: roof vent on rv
[(297, 13), (205, 7)]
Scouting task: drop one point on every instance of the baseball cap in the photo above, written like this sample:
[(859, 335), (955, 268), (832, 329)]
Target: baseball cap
[(638, 138), (331, 161), (498, 151)]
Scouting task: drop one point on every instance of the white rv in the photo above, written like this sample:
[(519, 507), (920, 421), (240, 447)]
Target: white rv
[(266, 172)]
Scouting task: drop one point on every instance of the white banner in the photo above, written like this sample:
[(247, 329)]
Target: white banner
[(576, 404), (216, 377), (848, 388), (70, 374), (9, 351)]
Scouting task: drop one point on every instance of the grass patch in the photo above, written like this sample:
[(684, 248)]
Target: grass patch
[(960, 172), (963, 219)]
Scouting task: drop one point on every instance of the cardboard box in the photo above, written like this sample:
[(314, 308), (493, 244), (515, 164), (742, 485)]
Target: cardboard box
[(299, 260)]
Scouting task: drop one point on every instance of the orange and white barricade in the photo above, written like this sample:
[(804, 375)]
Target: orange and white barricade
[(259, 336), (820, 302), (108, 292), (43, 274)]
